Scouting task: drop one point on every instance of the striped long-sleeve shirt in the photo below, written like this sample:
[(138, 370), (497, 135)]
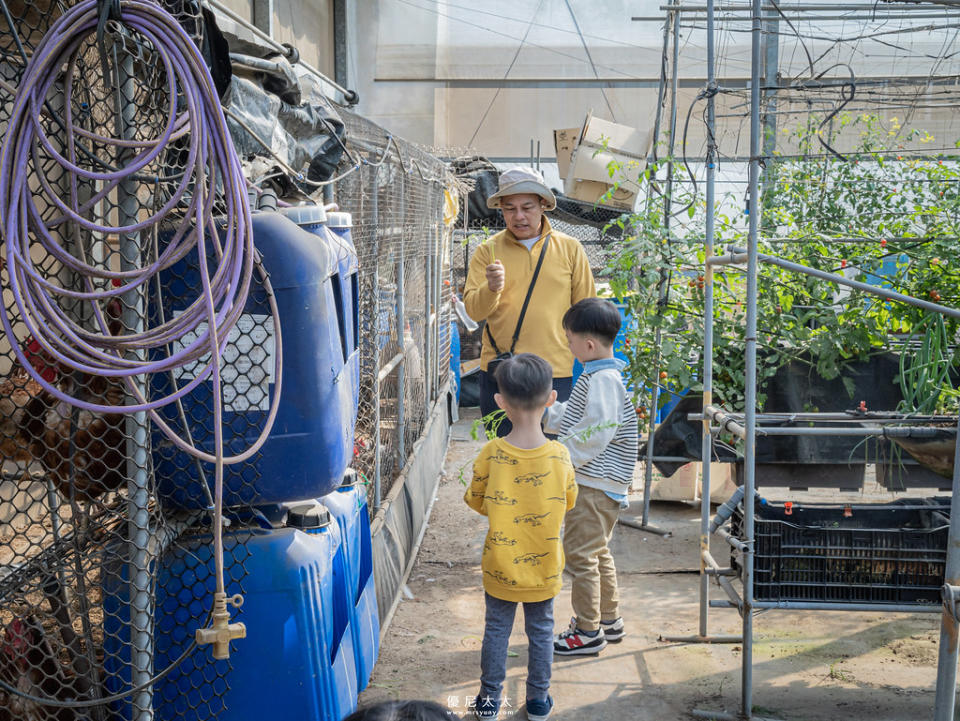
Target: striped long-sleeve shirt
[(598, 425)]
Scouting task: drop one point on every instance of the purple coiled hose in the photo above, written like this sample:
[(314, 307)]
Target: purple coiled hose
[(196, 123)]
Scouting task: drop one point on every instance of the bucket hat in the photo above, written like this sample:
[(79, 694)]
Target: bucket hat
[(522, 180)]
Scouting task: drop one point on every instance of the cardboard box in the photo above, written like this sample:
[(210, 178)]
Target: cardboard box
[(590, 191), (564, 141), (686, 484), (599, 143)]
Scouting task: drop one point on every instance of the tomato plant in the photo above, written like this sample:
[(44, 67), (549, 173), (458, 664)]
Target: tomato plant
[(883, 214)]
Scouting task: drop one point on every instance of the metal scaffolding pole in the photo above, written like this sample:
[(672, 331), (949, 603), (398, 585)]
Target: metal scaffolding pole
[(644, 525), (745, 425), (706, 448), (706, 452), (750, 381), (946, 695), (138, 478)]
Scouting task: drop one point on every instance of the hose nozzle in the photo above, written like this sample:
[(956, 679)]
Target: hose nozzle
[(221, 631)]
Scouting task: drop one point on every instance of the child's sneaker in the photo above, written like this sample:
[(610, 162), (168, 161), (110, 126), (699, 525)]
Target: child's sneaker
[(485, 708), (574, 642), (613, 630), (539, 710)]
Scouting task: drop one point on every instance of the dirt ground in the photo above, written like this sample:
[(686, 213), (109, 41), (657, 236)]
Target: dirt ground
[(807, 665)]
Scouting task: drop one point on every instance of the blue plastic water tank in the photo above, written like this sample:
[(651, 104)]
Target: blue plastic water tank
[(334, 229), (311, 442), (297, 660), (348, 504), (341, 226)]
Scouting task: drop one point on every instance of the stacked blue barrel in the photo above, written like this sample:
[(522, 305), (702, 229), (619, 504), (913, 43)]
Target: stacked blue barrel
[(310, 604)]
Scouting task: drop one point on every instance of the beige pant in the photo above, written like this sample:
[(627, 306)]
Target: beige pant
[(586, 538)]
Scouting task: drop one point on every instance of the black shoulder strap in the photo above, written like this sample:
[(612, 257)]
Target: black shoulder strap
[(526, 302)]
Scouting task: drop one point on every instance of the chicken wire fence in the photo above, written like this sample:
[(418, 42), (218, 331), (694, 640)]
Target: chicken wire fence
[(397, 197), (106, 564), (97, 607)]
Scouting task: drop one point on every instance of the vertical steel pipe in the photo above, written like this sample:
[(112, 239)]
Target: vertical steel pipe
[(750, 382), (375, 331), (946, 694), (667, 209), (706, 450), (427, 372), (138, 479), (401, 261)]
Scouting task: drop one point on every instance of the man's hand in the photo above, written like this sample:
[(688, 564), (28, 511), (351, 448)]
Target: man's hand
[(495, 276)]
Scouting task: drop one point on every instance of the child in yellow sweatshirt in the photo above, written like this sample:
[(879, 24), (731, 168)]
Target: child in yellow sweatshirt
[(524, 484)]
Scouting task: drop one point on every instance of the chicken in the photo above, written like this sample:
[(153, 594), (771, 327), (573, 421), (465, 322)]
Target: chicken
[(79, 446), (16, 393), (82, 451), (29, 665)]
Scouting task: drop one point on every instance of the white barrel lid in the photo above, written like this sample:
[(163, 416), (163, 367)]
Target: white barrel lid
[(340, 220), (306, 214)]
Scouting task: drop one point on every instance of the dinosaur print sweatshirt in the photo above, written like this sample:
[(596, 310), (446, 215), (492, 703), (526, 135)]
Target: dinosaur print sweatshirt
[(524, 493)]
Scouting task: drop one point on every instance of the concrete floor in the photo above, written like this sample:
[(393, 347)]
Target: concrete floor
[(812, 666)]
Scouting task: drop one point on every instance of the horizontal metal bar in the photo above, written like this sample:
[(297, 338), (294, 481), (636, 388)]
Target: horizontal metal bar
[(896, 432), (747, 7), (855, 284), (735, 542), (348, 95), (718, 572), (641, 527), (835, 418), (878, 18), (395, 361), (727, 259), (846, 418), (721, 603), (724, 420), (701, 639), (833, 606)]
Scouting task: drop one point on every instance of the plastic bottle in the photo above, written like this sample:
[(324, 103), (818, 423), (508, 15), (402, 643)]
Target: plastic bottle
[(469, 323)]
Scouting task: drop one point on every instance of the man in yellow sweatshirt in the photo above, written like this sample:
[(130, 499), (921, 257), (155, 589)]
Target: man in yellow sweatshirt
[(500, 273)]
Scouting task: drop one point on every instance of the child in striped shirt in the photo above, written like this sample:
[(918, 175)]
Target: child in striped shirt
[(598, 425)]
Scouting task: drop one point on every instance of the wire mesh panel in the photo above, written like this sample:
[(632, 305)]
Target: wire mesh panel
[(107, 560), (84, 535), (397, 201)]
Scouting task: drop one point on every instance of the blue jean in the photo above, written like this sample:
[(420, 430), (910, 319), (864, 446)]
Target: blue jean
[(538, 623)]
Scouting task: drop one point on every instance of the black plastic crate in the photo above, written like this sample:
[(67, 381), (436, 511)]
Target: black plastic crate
[(884, 553)]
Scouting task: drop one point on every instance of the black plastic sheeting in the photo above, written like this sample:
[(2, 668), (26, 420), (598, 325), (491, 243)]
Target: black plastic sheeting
[(307, 135), (581, 213), (795, 388), (484, 179)]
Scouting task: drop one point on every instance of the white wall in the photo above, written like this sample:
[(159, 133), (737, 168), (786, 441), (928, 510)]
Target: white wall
[(429, 69)]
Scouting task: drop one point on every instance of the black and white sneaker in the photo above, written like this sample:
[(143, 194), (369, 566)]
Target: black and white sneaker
[(613, 630), (574, 642)]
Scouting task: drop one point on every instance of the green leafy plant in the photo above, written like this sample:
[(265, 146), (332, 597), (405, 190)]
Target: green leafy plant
[(882, 214), (486, 428)]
